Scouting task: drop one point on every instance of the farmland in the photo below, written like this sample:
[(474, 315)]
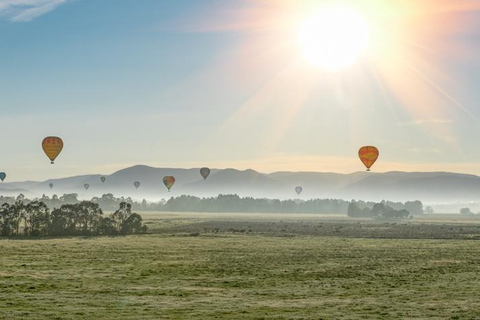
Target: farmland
[(248, 266)]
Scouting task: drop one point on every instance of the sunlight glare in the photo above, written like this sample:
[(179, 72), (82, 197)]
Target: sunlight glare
[(333, 38)]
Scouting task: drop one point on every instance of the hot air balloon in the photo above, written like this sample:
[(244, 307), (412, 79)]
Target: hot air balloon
[(50, 185), (298, 190), (368, 155), (103, 179), (52, 146), (136, 184), (86, 186), (3, 175), (168, 181), (205, 172)]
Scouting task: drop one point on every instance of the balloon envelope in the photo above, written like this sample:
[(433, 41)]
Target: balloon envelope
[(298, 190), (3, 175), (51, 185), (168, 181), (368, 155), (136, 184), (52, 146), (205, 172), (103, 179), (86, 186)]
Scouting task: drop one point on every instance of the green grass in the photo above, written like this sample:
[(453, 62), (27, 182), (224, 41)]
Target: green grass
[(257, 274)]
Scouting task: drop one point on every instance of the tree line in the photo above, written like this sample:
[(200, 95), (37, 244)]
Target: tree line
[(226, 203), (378, 211), (85, 218), (234, 203)]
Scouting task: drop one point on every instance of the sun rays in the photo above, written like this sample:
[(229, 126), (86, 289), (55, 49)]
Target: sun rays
[(404, 63)]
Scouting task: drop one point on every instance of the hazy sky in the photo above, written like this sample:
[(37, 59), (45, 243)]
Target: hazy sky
[(225, 84)]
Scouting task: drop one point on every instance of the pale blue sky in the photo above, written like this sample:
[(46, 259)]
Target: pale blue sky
[(223, 84)]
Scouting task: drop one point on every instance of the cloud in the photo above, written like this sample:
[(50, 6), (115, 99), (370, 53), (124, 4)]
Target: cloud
[(27, 10)]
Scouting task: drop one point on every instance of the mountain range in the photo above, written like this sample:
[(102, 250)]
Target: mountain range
[(429, 187)]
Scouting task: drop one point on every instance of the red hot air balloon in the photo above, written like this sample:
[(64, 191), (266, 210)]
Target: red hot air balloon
[(368, 155)]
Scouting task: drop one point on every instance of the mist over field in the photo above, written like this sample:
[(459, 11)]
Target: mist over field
[(446, 192)]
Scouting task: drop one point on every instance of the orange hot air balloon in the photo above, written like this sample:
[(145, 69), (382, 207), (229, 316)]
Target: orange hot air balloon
[(368, 155), (168, 181), (52, 146)]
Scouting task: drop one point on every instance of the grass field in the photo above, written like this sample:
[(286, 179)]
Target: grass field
[(248, 266)]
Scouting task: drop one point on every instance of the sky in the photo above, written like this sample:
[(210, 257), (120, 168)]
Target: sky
[(226, 84)]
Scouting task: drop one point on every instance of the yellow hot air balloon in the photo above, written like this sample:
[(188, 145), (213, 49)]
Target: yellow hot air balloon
[(368, 155), (168, 181), (52, 146)]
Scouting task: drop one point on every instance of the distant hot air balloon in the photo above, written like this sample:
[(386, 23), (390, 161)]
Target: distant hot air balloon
[(52, 146), (168, 181), (103, 179), (205, 172), (136, 184), (368, 155), (3, 175), (86, 186), (298, 190), (50, 185)]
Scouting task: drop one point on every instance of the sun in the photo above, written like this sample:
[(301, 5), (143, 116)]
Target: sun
[(333, 38)]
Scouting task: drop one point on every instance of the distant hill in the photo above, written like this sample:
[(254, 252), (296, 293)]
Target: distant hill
[(231, 181), (430, 187)]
